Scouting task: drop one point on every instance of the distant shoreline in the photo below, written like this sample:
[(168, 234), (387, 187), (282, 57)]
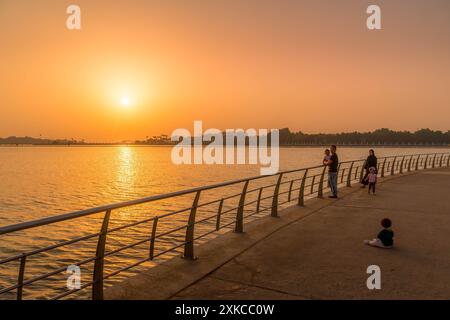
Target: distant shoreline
[(383, 137), (10, 145)]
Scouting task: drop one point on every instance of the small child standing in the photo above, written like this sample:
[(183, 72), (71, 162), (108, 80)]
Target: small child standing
[(385, 238), (372, 179)]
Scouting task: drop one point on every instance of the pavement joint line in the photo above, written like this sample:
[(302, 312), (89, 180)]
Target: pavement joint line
[(252, 270), (424, 184), (265, 288), (378, 208)]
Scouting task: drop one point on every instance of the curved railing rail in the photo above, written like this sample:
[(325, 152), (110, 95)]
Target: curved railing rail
[(288, 187)]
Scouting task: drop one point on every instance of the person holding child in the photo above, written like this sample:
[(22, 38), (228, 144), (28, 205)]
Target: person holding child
[(331, 160)]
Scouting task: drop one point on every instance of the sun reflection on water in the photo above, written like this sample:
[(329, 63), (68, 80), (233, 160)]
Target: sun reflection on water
[(126, 169)]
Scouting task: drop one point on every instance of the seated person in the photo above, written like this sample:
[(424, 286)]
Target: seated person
[(385, 238)]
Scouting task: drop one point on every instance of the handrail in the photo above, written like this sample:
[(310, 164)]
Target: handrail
[(119, 205), (309, 183)]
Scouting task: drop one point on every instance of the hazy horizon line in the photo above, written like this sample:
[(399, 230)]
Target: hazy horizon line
[(149, 138)]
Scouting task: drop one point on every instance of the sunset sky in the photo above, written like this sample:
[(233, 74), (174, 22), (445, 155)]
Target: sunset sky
[(144, 67)]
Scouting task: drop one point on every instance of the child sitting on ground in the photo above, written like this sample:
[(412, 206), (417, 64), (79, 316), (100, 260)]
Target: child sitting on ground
[(372, 179), (385, 238)]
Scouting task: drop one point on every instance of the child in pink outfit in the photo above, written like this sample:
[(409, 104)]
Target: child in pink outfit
[(372, 179)]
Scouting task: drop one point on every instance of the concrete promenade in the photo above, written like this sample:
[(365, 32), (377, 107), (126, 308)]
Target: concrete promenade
[(317, 251)]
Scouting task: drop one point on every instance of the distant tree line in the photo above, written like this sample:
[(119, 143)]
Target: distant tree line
[(423, 137), (377, 137), (163, 139), (39, 141)]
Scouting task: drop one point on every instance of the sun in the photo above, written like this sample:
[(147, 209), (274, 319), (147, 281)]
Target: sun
[(125, 101)]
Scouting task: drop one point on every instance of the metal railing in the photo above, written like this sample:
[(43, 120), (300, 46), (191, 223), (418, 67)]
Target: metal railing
[(288, 187)]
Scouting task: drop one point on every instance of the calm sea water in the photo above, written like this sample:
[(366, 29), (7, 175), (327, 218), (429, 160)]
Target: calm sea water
[(37, 182)]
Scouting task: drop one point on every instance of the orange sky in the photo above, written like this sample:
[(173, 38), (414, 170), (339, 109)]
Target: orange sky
[(307, 65)]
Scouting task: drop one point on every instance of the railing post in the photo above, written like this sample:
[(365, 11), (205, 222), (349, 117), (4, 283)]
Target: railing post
[(440, 161), (426, 162), (301, 193), (23, 260), (448, 160), (349, 184), (258, 204), (402, 164), (417, 162), (312, 184), (290, 190), (189, 242), (393, 166), (240, 213), (322, 177), (339, 170), (219, 214), (382, 169), (434, 160), (153, 239), (361, 174), (97, 286), (409, 163), (343, 174), (275, 197)]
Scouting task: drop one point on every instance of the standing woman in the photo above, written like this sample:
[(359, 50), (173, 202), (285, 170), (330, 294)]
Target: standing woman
[(371, 161)]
